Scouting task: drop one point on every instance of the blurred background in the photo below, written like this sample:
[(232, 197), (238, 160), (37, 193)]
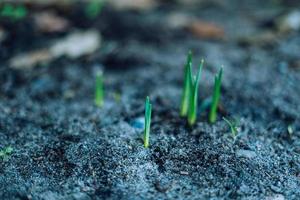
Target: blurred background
[(34, 32)]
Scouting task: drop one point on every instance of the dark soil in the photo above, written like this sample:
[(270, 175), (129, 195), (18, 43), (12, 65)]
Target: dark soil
[(67, 148)]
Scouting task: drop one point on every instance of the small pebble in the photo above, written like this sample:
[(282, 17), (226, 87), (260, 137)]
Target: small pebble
[(245, 154), (276, 197), (184, 173), (289, 22), (138, 123)]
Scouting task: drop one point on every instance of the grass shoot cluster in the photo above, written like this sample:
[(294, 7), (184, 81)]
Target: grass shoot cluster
[(189, 102)]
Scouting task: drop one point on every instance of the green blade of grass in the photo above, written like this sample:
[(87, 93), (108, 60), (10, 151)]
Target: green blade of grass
[(216, 97), (94, 8), (99, 89), (12, 12), (233, 127), (187, 86), (148, 111), (193, 104)]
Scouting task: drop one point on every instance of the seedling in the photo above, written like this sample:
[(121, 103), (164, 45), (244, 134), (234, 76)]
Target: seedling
[(193, 102), (233, 127), (4, 153), (189, 101), (12, 12), (148, 110), (186, 86), (93, 8), (99, 89), (117, 96), (216, 97)]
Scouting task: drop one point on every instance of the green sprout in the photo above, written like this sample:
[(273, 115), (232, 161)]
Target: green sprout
[(117, 96), (93, 8), (189, 101), (193, 102), (99, 91), (4, 153), (186, 87), (233, 127), (148, 110), (216, 97), (12, 12)]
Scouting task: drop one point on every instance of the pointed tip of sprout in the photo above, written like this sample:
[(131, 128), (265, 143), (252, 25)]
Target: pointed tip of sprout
[(99, 72), (221, 70), (147, 100), (216, 96)]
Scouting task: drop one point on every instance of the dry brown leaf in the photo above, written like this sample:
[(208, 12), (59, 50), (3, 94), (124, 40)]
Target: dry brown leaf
[(206, 30), (49, 22), (76, 44)]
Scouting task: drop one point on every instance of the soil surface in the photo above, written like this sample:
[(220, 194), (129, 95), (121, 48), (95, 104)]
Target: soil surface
[(64, 147)]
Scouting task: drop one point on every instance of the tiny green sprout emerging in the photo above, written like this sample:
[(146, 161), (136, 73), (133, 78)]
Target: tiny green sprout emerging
[(117, 96), (233, 127), (186, 87), (189, 101), (6, 152), (216, 97), (99, 91), (193, 102), (14, 13), (148, 110), (93, 8)]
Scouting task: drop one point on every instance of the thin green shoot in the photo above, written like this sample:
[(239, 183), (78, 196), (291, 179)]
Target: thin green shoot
[(193, 101), (186, 86), (99, 89), (4, 153), (233, 127), (14, 13), (94, 8), (117, 96), (216, 97), (148, 111)]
